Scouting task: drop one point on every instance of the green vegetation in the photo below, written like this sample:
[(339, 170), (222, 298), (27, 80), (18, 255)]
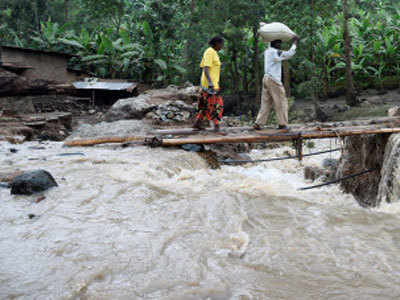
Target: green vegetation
[(161, 42), (310, 144)]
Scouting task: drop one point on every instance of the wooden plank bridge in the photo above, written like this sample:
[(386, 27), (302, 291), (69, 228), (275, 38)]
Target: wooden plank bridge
[(173, 137)]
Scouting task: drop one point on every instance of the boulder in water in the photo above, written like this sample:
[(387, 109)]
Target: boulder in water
[(193, 148), (326, 173), (313, 173), (32, 182)]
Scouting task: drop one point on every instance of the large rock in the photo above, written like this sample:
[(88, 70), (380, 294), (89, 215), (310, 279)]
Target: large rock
[(389, 187), (326, 173), (131, 108), (138, 107), (313, 173), (32, 182), (363, 153)]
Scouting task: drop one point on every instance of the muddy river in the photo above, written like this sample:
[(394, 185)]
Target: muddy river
[(159, 224)]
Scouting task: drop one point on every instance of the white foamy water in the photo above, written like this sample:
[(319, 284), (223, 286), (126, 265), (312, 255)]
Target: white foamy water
[(142, 223)]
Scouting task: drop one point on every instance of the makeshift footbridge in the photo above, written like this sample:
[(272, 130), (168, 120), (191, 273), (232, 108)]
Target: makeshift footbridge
[(173, 137)]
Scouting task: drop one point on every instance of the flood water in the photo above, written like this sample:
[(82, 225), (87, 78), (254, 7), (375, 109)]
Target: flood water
[(159, 224)]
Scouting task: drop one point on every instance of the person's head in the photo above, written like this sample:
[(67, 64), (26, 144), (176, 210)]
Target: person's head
[(277, 44), (217, 43)]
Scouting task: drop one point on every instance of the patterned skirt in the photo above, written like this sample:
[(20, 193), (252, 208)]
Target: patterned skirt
[(210, 107)]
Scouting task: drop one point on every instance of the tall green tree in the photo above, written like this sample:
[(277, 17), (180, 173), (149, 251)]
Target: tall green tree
[(351, 96), (161, 42)]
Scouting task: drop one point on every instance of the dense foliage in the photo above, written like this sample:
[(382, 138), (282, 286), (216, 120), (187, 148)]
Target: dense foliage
[(161, 42)]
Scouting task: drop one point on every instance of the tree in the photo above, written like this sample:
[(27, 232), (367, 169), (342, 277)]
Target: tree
[(161, 42), (66, 10), (112, 11), (351, 96)]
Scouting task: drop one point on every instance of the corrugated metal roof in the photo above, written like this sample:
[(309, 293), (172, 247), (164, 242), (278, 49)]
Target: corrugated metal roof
[(112, 86)]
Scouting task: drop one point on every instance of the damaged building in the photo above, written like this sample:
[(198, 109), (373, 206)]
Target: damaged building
[(39, 64)]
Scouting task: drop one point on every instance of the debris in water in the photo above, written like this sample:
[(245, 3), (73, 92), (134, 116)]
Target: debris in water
[(72, 154), (40, 199)]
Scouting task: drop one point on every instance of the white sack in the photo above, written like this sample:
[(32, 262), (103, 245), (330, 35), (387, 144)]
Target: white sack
[(275, 31)]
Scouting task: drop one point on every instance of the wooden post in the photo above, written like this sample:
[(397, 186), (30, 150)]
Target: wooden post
[(299, 148)]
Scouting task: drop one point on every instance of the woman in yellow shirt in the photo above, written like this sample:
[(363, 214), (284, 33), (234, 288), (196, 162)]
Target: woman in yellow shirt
[(210, 105)]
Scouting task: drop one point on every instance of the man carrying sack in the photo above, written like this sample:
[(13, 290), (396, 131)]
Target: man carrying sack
[(273, 92)]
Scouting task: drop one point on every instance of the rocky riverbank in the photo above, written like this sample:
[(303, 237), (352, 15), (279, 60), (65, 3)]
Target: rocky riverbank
[(378, 154)]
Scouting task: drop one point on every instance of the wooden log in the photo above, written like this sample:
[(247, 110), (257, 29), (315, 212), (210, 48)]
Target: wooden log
[(279, 137), (104, 140), (276, 136), (387, 122)]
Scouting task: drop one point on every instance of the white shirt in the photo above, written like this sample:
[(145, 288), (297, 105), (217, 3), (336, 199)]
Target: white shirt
[(273, 62)]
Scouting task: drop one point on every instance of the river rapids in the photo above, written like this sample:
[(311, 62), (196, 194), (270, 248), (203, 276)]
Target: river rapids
[(140, 223)]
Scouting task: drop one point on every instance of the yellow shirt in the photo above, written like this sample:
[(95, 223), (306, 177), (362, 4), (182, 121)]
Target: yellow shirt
[(211, 60)]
